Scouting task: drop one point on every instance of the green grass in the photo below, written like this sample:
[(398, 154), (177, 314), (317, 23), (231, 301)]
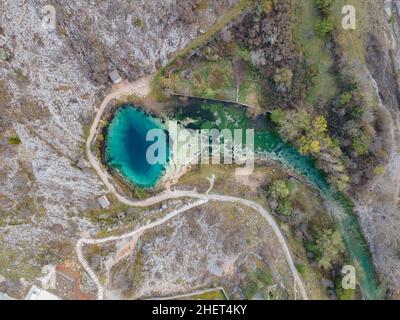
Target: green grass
[(211, 295), (13, 266), (215, 80), (313, 48), (209, 80), (250, 93)]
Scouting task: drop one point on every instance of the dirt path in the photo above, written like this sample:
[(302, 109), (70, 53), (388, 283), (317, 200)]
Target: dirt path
[(82, 242)]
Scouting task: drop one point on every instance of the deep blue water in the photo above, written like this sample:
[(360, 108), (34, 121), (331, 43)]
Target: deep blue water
[(126, 146)]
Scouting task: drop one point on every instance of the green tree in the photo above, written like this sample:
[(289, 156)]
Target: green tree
[(277, 116), (323, 5), (284, 76), (345, 98), (361, 143), (256, 281), (329, 246), (285, 207), (356, 112), (320, 124), (267, 5), (279, 189), (309, 145)]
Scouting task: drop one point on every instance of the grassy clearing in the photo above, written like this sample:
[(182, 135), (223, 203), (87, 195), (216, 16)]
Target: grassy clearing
[(250, 93), (317, 55), (352, 42), (215, 80), (13, 266), (209, 80), (157, 88)]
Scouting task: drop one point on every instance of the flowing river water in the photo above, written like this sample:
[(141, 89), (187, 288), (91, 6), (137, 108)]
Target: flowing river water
[(129, 126)]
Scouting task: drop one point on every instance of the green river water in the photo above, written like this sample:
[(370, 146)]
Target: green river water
[(126, 147), (208, 115)]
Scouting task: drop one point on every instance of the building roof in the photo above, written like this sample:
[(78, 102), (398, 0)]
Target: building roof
[(81, 164), (36, 293), (115, 76), (103, 201)]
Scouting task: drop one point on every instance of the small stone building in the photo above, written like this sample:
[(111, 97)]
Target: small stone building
[(103, 202), (115, 77), (81, 164)]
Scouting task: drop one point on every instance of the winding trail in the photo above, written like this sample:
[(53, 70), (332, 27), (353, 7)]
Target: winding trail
[(82, 242), (141, 88)]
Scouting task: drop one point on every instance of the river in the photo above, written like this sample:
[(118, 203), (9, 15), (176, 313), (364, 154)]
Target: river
[(126, 152), (224, 115)]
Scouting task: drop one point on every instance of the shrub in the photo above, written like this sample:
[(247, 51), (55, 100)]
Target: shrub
[(256, 281), (361, 144), (323, 6), (138, 23), (343, 294), (379, 170), (301, 268), (329, 246), (324, 27), (279, 189), (4, 55), (284, 208), (14, 140), (250, 289), (277, 116), (283, 76), (345, 98), (267, 6)]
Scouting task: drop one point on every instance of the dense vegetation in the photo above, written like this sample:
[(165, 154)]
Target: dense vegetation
[(314, 105), (257, 281)]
